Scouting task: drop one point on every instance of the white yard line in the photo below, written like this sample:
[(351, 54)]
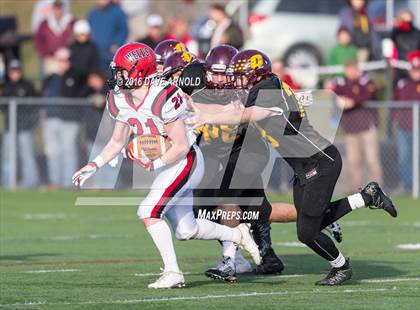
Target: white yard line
[(409, 246), (389, 280), (70, 238), (51, 270), (45, 216), (181, 298)]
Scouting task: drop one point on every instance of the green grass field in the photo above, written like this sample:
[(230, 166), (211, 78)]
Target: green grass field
[(54, 255)]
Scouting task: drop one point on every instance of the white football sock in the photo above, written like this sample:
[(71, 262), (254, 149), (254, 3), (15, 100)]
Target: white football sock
[(229, 249), (161, 235), (339, 261), (356, 201), (209, 230)]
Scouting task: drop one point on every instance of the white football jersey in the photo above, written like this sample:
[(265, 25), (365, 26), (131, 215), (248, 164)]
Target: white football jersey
[(163, 103)]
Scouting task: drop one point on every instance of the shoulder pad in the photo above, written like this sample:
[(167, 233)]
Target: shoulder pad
[(111, 104), (162, 96)]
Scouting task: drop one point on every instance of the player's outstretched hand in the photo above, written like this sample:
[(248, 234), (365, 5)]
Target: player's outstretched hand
[(84, 173), (196, 117)]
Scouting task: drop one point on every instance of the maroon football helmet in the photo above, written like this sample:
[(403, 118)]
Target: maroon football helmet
[(166, 48), (252, 64), (217, 62), (177, 62)]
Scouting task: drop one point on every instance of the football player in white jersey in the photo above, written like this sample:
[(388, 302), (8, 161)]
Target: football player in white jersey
[(144, 105)]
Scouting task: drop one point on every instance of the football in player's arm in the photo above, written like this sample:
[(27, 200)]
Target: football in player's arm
[(145, 106)]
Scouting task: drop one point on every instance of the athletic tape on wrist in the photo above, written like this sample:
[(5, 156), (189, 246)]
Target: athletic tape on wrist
[(99, 161)]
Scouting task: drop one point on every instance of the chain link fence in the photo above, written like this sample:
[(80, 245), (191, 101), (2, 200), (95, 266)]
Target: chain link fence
[(45, 140)]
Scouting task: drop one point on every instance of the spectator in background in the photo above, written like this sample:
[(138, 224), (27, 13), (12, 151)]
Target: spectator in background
[(42, 9), (155, 32), (408, 89), (61, 128), (358, 123), (354, 17), (226, 32), (53, 33), (136, 12), (84, 55), (27, 118), (179, 30), (406, 38), (109, 30), (277, 67), (344, 50)]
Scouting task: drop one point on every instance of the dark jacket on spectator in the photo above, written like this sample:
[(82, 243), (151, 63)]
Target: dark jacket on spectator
[(407, 90), (406, 40), (67, 85), (109, 27), (51, 35), (84, 58), (27, 115), (363, 36), (357, 119)]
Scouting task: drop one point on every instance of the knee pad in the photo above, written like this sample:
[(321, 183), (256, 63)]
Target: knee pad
[(185, 232)]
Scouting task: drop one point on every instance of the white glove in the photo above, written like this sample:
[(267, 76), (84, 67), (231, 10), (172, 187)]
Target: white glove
[(84, 173)]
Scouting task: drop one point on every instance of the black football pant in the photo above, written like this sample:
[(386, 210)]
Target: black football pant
[(314, 208)]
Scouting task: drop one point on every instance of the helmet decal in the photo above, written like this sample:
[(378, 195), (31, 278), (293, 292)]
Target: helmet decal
[(137, 54), (187, 57), (256, 61), (180, 47)]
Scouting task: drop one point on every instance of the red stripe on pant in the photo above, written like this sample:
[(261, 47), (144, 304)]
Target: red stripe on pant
[(173, 187)]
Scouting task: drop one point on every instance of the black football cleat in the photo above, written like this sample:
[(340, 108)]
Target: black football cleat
[(337, 275), (271, 264), (379, 199), (224, 271), (335, 231)]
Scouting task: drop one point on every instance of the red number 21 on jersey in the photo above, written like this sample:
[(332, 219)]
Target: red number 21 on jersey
[(139, 127), (177, 100)]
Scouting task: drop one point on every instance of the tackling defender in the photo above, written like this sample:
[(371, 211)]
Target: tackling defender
[(148, 106), (221, 146), (282, 121)]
